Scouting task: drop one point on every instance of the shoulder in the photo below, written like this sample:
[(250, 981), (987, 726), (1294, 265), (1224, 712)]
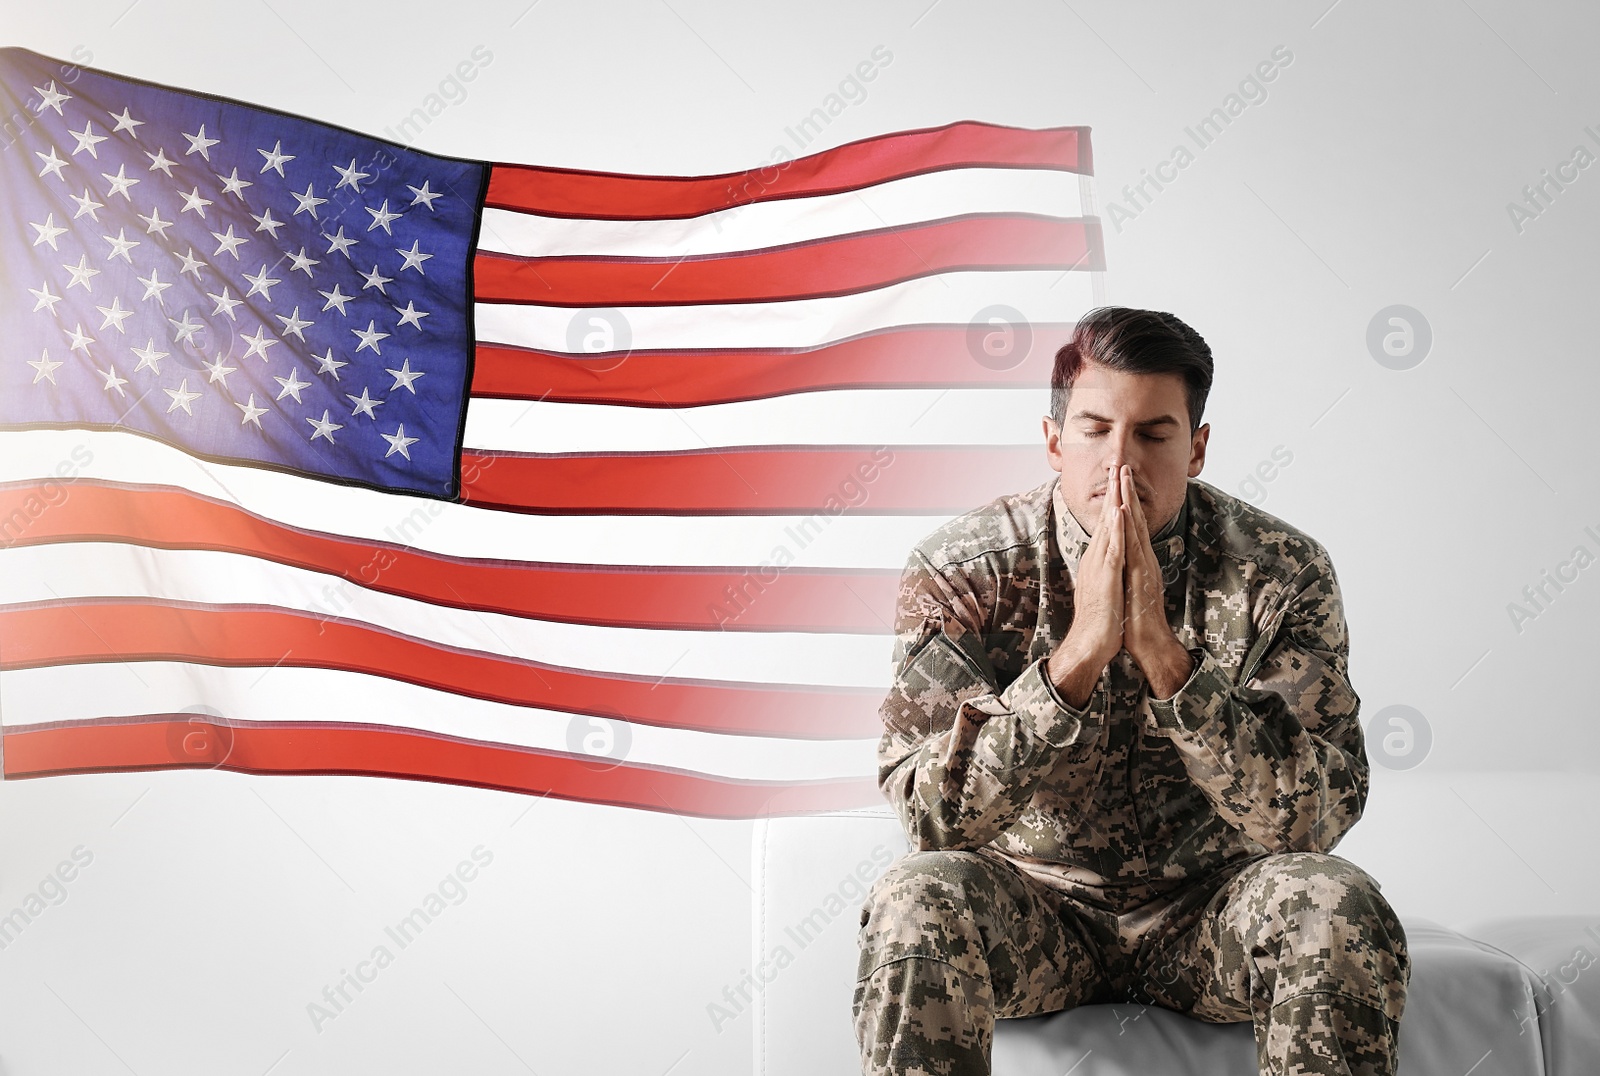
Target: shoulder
[(1232, 528), (1016, 524)]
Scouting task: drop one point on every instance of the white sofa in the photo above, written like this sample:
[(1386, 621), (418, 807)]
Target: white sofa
[(1473, 1006)]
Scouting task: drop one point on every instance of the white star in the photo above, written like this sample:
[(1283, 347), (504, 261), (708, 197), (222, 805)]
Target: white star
[(159, 161), (364, 404), (186, 328), (48, 231), (88, 205), (81, 274), (381, 217), (369, 337), (259, 344), (404, 377), (52, 163), (199, 143), (414, 258), (113, 382), (125, 122), (229, 242), (252, 413), (261, 284), (423, 195), (153, 287), (153, 223), (323, 427), (193, 202), (225, 304), (87, 140), (292, 385), (302, 263), (294, 324), (149, 357), (275, 160), (327, 364), (375, 279), (121, 245), (119, 182), (351, 178), (191, 264), (114, 314), (44, 368), (52, 98), (340, 243), (80, 339), (398, 442), (181, 396), (308, 202), (336, 298), (234, 185), (216, 371), (410, 315), (265, 223), (44, 298)]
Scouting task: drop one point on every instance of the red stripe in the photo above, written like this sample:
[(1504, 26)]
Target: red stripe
[(140, 629), (938, 356), (570, 192), (812, 269), (162, 742), (788, 480), (755, 599)]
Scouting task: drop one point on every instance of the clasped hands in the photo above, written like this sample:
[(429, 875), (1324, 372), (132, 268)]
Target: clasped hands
[(1118, 603)]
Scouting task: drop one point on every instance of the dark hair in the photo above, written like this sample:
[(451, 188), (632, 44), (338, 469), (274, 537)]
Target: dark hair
[(1138, 342)]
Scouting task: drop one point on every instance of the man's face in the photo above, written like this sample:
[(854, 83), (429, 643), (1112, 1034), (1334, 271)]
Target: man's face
[(1114, 418)]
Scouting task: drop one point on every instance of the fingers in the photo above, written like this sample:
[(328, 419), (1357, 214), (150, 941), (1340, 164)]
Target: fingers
[(1114, 550)]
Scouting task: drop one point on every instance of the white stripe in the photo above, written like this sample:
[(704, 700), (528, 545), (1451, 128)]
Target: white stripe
[(846, 540), (900, 202), (84, 692), (1040, 296), (845, 416), (79, 570)]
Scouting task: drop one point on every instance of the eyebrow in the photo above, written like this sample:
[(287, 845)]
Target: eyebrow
[(1090, 416)]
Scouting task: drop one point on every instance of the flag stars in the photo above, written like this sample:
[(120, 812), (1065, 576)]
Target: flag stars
[(275, 159), (340, 243), (410, 315), (369, 337), (160, 162), (154, 287), (154, 224), (81, 274), (405, 377), (112, 381), (364, 404), (323, 428), (349, 177), (120, 246), (181, 396), (48, 231), (51, 98), (44, 368), (414, 258), (115, 315), (381, 218), (191, 264), (398, 442), (125, 122), (149, 357), (294, 324), (199, 143), (259, 343), (225, 304), (261, 284), (300, 262), (87, 140), (232, 184), (52, 164), (87, 204), (44, 297), (229, 242), (336, 298), (308, 202), (327, 364), (252, 413), (423, 195), (265, 223), (185, 328), (376, 279), (216, 371), (292, 385), (80, 339), (193, 203), (119, 183)]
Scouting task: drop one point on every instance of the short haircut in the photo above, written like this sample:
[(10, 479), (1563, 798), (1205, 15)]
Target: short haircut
[(1138, 342)]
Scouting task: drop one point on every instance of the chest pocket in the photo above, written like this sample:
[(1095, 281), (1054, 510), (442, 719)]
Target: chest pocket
[(932, 684)]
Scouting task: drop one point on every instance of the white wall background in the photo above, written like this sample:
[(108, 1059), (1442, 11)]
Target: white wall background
[(1376, 172)]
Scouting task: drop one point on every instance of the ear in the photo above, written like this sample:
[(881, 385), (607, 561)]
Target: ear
[(1197, 449), (1052, 443)]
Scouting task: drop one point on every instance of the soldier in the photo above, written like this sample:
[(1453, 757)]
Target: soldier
[(1123, 743)]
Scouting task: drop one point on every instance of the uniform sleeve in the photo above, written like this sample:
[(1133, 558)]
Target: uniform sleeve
[(960, 758), (1280, 755)]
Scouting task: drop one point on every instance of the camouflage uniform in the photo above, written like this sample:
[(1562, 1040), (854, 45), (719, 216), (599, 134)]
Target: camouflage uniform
[(1173, 852)]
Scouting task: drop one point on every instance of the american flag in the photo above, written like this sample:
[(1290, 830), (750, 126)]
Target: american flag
[(323, 455)]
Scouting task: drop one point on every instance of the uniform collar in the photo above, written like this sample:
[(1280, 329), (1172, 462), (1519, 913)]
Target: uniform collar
[(1072, 539)]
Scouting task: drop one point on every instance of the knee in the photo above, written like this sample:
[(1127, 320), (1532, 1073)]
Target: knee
[(923, 904)]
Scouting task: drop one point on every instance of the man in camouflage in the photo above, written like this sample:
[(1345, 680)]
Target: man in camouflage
[(1123, 758)]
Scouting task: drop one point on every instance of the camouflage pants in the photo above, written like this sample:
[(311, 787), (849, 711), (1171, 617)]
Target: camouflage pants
[(1300, 943)]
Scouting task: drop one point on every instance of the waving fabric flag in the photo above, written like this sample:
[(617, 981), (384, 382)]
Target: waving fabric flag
[(323, 455)]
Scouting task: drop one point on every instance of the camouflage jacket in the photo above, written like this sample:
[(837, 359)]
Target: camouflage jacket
[(1130, 797)]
